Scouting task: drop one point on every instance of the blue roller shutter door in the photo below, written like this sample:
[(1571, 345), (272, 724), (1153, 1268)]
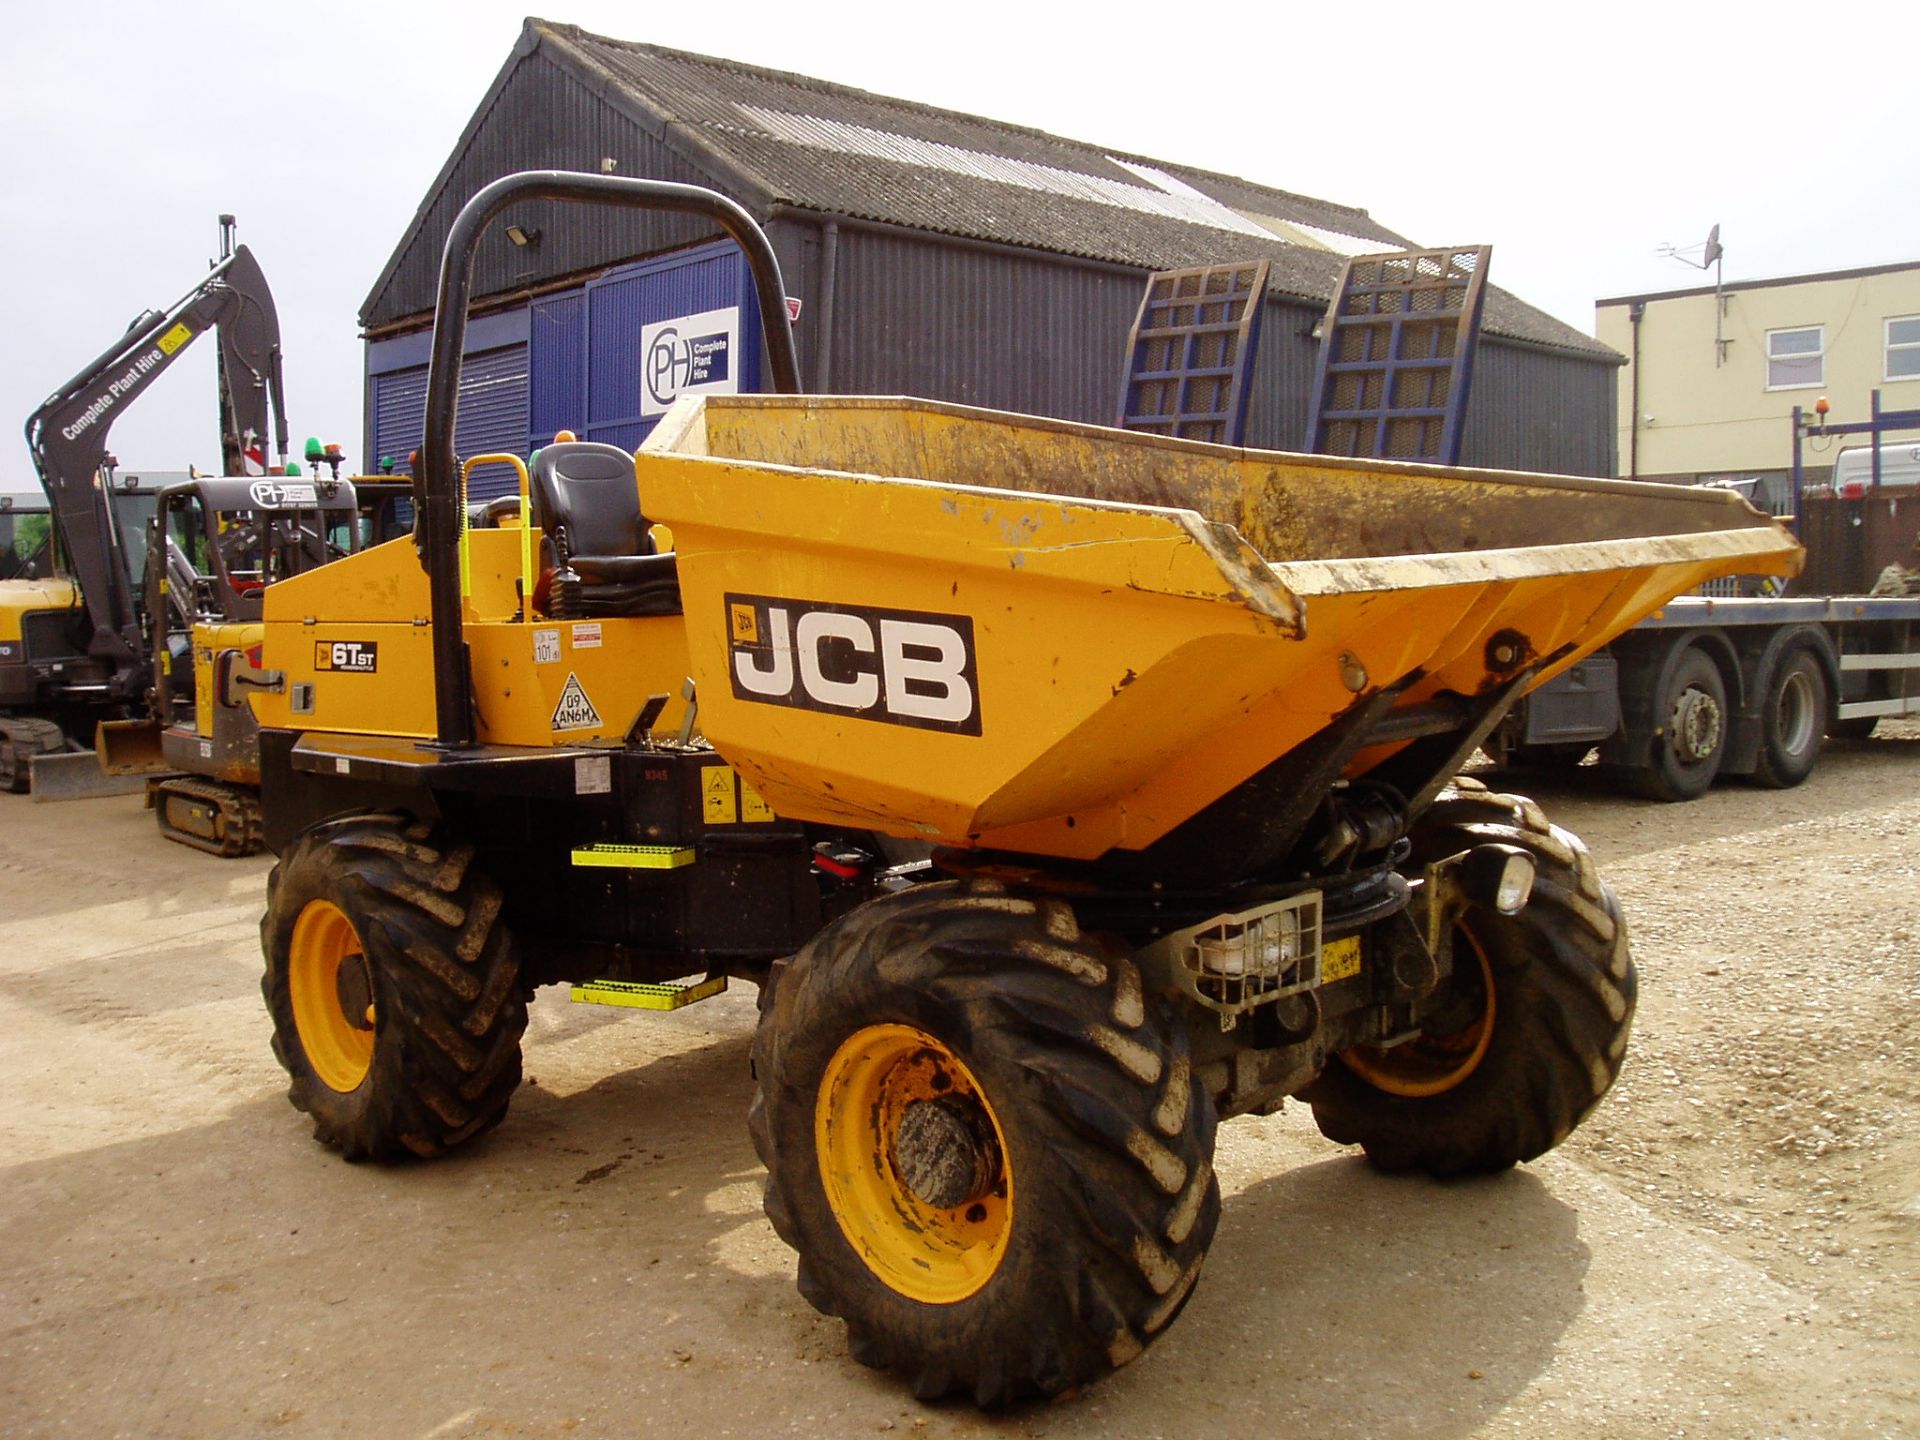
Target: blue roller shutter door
[(493, 417)]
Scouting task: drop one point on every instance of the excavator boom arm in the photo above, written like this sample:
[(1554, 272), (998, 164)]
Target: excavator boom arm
[(67, 435)]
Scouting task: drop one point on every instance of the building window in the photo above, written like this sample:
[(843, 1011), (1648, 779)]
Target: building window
[(1796, 358), (1903, 348)]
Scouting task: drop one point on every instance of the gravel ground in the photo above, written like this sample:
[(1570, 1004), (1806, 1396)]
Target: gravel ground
[(1727, 1248)]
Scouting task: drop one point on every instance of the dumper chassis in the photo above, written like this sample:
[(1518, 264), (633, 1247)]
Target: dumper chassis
[(988, 1071)]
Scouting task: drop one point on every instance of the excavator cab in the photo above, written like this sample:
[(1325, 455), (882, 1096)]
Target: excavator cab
[(213, 548), (26, 537)]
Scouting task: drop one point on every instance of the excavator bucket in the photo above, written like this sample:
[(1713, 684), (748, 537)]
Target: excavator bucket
[(983, 629), (130, 747)]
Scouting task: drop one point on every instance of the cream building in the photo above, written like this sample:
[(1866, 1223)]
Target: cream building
[(1707, 396)]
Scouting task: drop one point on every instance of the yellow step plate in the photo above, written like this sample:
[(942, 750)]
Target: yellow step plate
[(637, 996), (634, 857)]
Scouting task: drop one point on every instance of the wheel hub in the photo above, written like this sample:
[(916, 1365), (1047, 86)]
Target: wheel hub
[(329, 986), (941, 1154), (1453, 1039), (914, 1163), (1696, 725), (354, 988), (1795, 717)]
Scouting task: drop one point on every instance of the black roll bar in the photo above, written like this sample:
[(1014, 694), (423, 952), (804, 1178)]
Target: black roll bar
[(437, 488)]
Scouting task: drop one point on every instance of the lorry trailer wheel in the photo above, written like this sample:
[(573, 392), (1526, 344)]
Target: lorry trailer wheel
[(1525, 1036), (1692, 715), (393, 988), (984, 1141), (1793, 715)]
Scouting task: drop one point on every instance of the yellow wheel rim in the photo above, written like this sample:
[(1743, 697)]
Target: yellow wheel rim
[(914, 1164), (339, 1046), (1432, 1064)]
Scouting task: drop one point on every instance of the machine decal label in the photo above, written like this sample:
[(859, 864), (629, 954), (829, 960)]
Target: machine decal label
[(718, 805), (354, 657), (1340, 959), (587, 637), (546, 647), (175, 338), (593, 775), (900, 667), (277, 494), (575, 711), (752, 807), (125, 383)]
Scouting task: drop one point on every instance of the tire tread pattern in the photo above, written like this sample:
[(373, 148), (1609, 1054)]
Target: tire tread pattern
[(450, 1009), (1115, 1196), (1565, 989)]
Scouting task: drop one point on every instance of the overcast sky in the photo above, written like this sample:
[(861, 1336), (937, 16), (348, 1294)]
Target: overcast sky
[(1577, 140)]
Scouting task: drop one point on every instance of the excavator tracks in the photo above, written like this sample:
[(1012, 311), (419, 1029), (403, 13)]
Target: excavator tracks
[(21, 738), (220, 819)]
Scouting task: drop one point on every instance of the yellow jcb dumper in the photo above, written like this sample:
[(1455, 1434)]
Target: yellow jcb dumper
[(1068, 791)]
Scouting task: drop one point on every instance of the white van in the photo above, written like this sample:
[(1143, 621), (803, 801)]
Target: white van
[(1853, 469)]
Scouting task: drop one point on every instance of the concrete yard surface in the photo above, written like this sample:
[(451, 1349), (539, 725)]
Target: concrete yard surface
[(1730, 1246)]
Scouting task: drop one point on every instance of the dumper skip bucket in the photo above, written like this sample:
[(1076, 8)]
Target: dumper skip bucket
[(992, 630)]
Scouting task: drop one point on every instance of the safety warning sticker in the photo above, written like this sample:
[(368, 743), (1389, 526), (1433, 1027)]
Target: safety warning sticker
[(546, 647), (575, 711)]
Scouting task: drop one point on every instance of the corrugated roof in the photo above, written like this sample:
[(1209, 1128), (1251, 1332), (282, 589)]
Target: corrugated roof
[(824, 147)]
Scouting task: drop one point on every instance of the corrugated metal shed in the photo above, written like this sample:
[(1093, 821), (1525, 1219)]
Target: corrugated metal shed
[(938, 253)]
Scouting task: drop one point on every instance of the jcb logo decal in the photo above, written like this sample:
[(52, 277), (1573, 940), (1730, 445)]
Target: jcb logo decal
[(901, 667), (357, 657)]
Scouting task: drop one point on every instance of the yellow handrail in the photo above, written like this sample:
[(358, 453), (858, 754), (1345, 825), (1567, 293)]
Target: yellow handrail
[(526, 530)]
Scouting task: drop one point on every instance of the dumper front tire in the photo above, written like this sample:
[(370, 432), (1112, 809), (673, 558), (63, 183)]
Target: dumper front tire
[(393, 988), (985, 1142), (1528, 1032)]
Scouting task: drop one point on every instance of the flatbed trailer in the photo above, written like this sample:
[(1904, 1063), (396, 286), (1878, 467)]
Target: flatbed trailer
[(1749, 686), (1727, 686)]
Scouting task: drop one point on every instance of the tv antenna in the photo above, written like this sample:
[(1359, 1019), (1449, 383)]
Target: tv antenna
[(1708, 253)]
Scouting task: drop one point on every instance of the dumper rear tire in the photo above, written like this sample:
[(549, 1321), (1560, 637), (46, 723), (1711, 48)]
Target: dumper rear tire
[(985, 1142), (393, 988), (1491, 1084)]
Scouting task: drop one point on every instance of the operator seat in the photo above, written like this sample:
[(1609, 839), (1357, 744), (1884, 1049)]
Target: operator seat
[(586, 502)]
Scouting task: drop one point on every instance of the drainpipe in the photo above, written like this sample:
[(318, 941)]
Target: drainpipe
[(823, 349), (1636, 312)]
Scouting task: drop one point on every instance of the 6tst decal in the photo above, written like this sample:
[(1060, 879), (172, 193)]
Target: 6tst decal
[(356, 657), (901, 667)]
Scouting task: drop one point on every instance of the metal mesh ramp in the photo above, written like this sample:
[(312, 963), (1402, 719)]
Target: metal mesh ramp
[(1396, 355), (1191, 352)]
